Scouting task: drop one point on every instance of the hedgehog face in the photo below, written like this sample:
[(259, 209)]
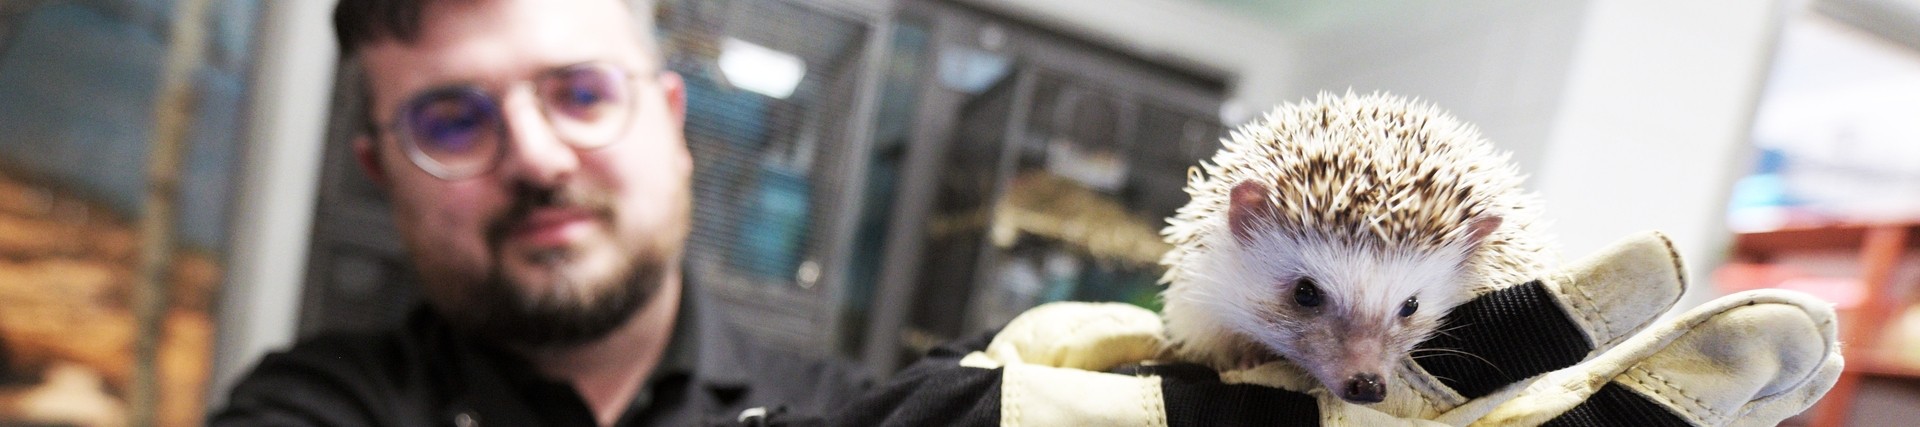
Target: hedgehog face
[(1346, 311), (1347, 316)]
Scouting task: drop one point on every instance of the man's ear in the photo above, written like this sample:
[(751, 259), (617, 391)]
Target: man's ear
[(369, 157), (676, 91)]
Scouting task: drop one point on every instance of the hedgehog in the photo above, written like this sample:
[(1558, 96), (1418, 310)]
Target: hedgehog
[(1335, 233)]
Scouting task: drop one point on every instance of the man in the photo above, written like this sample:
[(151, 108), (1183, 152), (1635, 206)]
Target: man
[(534, 156)]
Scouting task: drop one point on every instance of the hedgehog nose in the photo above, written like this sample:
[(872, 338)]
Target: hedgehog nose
[(1365, 388)]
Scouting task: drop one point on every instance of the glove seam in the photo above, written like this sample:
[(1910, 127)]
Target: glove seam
[(1683, 328), (1010, 399), (1827, 329), (1671, 390), (1154, 403), (1679, 265), (1679, 330), (1594, 319), (1748, 302), (1427, 386), (1322, 401)]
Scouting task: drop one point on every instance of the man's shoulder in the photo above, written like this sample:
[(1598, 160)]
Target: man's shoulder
[(788, 367), (729, 358), (387, 354), (334, 378), (777, 376)]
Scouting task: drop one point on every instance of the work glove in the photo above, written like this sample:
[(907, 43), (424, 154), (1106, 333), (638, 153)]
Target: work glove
[(1567, 349)]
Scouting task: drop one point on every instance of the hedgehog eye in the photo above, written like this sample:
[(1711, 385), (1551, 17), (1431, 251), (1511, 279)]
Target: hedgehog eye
[(1406, 309), (1307, 294)]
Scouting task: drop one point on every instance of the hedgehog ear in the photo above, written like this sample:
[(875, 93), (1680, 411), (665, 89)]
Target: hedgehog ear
[(1249, 209), (1480, 227)]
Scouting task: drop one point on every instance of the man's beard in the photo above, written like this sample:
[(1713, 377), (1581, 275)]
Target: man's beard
[(565, 312), (510, 315)]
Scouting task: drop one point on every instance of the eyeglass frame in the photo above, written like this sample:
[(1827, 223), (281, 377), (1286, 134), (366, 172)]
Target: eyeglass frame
[(397, 126)]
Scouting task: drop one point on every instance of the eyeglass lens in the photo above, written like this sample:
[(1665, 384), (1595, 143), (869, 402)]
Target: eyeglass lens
[(588, 104), (458, 131)]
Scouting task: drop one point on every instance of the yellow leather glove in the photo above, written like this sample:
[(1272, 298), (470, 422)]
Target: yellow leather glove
[(1562, 350)]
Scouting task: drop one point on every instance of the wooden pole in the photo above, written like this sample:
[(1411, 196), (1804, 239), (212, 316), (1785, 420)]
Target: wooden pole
[(1880, 253), (173, 116)]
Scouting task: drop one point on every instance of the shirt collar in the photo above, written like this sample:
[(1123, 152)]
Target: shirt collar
[(713, 345), (702, 350), (682, 353)]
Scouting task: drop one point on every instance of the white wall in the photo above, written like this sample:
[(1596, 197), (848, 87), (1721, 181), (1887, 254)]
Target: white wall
[(1841, 107), (1629, 115), (1652, 126), (279, 180), (1499, 66)]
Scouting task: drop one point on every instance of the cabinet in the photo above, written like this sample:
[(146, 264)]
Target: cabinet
[(1033, 167), (1879, 249)]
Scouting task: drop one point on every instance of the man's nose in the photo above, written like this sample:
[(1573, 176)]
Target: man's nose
[(534, 152)]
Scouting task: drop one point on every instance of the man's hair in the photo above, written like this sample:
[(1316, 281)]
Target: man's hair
[(358, 23)]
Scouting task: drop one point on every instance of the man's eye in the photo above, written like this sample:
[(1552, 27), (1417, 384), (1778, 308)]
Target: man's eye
[(582, 97), (452, 123), (585, 94)]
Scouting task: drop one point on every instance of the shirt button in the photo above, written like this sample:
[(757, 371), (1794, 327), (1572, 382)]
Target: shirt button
[(753, 417), (465, 419)]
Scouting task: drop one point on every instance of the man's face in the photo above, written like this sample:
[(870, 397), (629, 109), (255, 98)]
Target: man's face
[(554, 244)]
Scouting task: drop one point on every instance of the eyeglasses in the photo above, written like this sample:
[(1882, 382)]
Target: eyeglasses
[(455, 132)]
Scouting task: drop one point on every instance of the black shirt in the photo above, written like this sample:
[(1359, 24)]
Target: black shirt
[(425, 374)]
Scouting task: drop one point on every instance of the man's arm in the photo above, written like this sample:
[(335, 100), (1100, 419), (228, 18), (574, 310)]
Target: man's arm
[(936, 390), (323, 382)]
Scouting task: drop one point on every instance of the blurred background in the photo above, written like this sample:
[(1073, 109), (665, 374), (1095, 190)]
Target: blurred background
[(874, 177)]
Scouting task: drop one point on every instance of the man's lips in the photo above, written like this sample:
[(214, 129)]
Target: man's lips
[(551, 227)]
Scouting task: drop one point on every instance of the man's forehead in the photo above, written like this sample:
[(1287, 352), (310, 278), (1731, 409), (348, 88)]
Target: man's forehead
[(497, 40)]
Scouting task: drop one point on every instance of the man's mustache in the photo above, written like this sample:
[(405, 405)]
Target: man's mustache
[(527, 198)]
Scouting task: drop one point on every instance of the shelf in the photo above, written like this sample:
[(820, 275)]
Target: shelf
[(1763, 244), (1880, 366)]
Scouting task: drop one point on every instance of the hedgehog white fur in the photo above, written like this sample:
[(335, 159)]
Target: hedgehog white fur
[(1336, 232)]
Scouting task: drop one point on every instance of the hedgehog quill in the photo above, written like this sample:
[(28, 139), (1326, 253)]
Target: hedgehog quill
[(1336, 232)]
